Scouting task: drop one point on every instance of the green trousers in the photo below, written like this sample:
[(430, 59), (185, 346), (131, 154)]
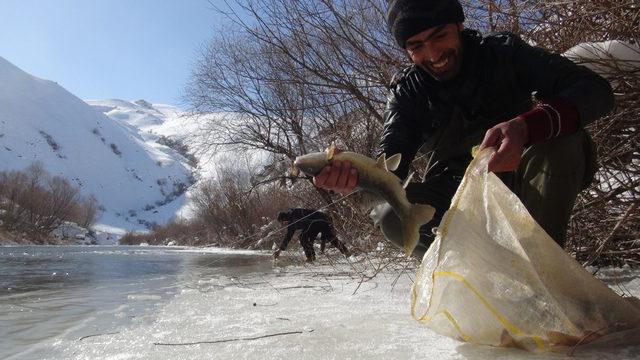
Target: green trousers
[(548, 180)]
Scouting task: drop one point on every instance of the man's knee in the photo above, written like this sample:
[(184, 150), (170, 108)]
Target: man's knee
[(550, 177), (570, 157)]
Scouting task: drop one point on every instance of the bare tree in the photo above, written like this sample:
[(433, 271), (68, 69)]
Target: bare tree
[(86, 211), (35, 202), (296, 74), (57, 204)]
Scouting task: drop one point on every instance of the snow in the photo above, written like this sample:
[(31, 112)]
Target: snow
[(325, 309), (134, 178), (596, 55), (153, 121), (109, 148), (104, 156), (320, 311)]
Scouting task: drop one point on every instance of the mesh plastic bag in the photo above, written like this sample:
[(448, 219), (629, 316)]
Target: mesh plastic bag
[(494, 277)]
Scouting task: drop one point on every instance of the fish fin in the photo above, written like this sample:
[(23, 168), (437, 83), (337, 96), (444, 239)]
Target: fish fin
[(393, 162), (408, 180), (331, 150), (506, 340), (419, 215), (381, 162), (558, 338)]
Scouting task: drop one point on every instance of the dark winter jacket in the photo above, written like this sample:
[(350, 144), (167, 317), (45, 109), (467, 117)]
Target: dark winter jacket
[(305, 220), (497, 78)]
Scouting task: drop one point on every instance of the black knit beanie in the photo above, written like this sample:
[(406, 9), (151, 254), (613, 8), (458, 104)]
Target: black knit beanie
[(409, 17)]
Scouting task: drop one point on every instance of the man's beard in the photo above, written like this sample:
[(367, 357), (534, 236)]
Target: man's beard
[(453, 70)]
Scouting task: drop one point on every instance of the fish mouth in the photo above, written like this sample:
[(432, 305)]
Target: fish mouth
[(308, 165), (301, 170), (297, 169)]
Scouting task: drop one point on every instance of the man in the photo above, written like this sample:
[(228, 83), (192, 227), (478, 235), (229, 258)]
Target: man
[(311, 223), (464, 89)]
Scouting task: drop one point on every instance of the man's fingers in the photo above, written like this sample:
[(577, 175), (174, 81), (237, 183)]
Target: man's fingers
[(491, 138), (509, 138), (341, 183), (334, 174), (353, 180), (339, 176), (507, 158), (320, 179), (500, 155)]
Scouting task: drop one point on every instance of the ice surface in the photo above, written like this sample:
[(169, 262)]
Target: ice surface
[(295, 312)]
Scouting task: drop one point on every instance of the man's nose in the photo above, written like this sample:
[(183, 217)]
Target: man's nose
[(433, 52)]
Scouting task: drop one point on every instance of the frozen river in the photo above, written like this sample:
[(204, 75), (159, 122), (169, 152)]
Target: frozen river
[(70, 292), (179, 303)]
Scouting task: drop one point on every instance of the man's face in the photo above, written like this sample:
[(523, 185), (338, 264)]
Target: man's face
[(437, 50)]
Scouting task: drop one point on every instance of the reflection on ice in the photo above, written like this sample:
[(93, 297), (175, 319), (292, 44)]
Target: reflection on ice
[(250, 309), (66, 292)]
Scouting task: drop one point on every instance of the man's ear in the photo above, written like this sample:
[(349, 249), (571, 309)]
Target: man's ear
[(408, 56)]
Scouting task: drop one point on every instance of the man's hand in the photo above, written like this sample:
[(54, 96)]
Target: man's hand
[(509, 138), (339, 176), (276, 254)]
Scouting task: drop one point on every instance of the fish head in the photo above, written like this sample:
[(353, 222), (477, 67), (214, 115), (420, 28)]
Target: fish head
[(311, 164)]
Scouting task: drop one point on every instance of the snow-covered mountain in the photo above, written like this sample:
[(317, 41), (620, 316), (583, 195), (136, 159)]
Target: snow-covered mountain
[(166, 124), (136, 180)]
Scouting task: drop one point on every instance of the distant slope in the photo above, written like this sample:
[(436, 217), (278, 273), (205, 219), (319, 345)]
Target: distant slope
[(137, 181), (155, 123)]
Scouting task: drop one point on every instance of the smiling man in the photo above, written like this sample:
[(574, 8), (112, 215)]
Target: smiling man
[(438, 51), (464, 89)]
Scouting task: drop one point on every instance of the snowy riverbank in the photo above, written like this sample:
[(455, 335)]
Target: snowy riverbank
[(319, 311)]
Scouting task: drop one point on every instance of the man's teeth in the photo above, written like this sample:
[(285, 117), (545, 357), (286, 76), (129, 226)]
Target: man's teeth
[(440, 63)]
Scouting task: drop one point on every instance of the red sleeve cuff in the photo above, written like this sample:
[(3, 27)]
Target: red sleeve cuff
[(550, 118)]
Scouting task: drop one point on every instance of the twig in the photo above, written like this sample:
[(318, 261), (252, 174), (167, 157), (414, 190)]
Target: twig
[(362, 280), (583, 339), (628, 251), (624, 217), (256, 304), (94, 335), (229, 340), (325, 288)]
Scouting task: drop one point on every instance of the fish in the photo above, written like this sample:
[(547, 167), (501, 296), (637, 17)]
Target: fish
[(376, 176)]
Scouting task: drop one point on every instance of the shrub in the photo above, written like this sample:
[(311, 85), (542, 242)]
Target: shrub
[(54, 145), (115, 149), (35, 202), (180, 147), (338, 92)]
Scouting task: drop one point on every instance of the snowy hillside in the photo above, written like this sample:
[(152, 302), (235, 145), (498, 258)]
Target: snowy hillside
[(158, 124), (166, 124), (136, 181)]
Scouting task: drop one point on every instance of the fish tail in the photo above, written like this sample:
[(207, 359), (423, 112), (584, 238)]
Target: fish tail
[(419, 215)]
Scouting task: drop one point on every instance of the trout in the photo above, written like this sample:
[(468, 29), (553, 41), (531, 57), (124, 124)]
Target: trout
[(376, 177)]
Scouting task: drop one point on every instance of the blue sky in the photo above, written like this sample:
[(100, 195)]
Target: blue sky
[(99, 49)]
